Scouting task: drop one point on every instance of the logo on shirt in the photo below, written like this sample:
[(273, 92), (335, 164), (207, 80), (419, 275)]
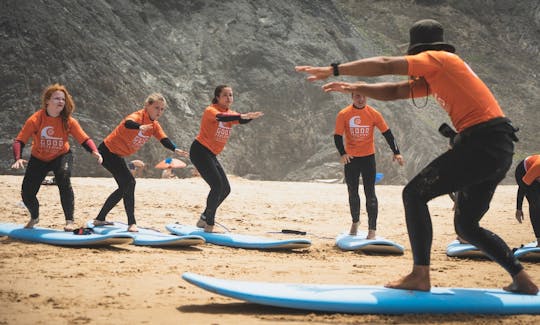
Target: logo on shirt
[(357, 130), (140, 139), (48, 141), (223, 132)]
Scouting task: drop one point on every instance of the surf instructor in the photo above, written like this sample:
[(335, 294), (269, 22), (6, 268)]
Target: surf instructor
[(479, 160)]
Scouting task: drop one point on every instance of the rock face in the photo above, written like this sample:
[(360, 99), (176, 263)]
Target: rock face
[(112, 54)]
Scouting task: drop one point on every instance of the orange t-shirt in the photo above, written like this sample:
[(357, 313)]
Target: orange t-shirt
[(358, 127), (532, 168), (466, 99), (214, 134), (125, 142), (49, 138)]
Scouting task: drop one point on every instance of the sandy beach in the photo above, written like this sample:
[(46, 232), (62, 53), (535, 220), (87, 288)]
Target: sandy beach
[(45, 284)]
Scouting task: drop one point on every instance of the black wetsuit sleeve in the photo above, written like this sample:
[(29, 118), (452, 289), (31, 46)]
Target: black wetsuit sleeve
[(167, 143), (129, 124), (520, 196), (338, 141), (391, 141), (231, 117)]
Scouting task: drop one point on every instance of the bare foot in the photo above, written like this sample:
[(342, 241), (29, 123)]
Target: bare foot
[(354, 229), (418, 279), (201, 223), (133, 228), (522, 283), (70, 225), (31, 223), (371, 234)]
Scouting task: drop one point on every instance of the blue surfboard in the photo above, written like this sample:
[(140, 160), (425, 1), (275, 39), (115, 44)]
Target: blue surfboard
[(359, 242), (239, 241), (356, 299), (458, 249), (62, 238), (528, 252), (148, 237)]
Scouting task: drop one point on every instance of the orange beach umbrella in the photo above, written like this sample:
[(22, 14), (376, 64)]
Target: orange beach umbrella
[(171, 163)]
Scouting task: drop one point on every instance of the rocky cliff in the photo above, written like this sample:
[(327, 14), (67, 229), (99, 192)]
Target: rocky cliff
[(112, 53)]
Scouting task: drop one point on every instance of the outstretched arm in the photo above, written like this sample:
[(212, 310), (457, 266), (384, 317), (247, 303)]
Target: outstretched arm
[(379, 91), (370, 67)]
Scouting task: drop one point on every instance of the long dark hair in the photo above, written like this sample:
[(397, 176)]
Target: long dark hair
[(217, 92)]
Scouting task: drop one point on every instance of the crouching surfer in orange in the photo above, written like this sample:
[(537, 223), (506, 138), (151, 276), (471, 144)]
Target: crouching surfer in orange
[(479, 160), (126, 139), (49, 128)]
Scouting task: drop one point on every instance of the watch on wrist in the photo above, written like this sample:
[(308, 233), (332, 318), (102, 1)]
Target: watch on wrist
[(335, 68)]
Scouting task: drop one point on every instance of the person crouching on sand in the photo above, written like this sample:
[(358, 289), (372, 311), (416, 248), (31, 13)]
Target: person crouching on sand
[(528, 180), (215, 129), (126, 139), (49, 128)]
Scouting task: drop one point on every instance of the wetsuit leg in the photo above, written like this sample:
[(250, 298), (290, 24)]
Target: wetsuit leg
[(368, 170), (62, 167), (533, 197), (352, 178), (36, 171), (211, 171), (126, 185), (481, 162)]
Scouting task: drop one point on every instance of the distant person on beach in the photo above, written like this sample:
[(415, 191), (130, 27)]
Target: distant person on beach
[(49, 129), (528, 180), (126, 139), (136, 167), (168, 173), (356, 124), (215, 129), (479, 160)]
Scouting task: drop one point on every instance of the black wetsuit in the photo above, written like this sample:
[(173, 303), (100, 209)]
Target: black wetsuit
[(532, 193), (479, 160), (365, 166)]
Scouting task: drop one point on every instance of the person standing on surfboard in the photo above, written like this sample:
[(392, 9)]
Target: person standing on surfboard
[(479, 160), (356, 123), (126, 139), (49, 128), (528, 180), (215, 129)]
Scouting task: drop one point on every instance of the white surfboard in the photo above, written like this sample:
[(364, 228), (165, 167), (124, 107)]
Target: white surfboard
[(529, 251), (148, 237), (359, 242), (61, 238), (458, 249), (362, 299), (237, 240)]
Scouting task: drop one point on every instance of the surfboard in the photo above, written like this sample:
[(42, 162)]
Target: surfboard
[(61, 238), (528, 252), (358, 299), (238, 240), (148, 237), (359, 242), (457, 249)]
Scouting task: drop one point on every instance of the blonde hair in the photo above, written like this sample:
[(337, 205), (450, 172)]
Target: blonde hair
[(154, 97), (69, 107)]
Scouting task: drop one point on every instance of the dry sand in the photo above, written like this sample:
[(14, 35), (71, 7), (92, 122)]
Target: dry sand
[(43, 284)]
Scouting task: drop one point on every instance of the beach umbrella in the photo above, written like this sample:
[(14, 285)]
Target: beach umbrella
[(171, 163)]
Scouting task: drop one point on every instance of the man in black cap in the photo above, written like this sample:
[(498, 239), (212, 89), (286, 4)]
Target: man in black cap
[(479, 160)]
